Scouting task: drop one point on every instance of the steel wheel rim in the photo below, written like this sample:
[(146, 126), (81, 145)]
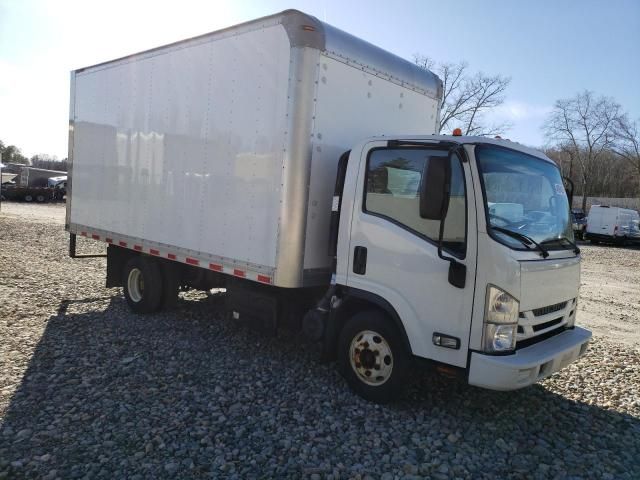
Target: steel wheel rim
[(135, 284), (371, 357)]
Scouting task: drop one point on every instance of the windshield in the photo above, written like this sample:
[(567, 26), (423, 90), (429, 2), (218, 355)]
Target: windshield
[(524, 194)]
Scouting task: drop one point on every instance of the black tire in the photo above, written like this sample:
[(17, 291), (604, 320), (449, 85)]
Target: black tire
[(381, 325), (28, 198), (40, 198), (145, 298)]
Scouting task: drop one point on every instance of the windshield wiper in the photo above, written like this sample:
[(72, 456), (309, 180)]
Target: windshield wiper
[(576, 249), (526, 240)]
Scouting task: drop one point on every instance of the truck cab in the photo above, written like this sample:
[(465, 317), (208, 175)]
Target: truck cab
[(463, 248)]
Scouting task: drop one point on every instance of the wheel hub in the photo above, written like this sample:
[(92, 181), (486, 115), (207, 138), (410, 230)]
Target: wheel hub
[(135, 284), (371, 357)]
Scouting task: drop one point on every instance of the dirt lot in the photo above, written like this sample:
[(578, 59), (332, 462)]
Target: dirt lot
[(610, 292), (89, 390)]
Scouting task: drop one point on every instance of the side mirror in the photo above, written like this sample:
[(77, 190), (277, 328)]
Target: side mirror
[(434, 188), (569, 187)]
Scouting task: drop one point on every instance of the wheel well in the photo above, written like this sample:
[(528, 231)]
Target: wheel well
[(117, 257), (354, 301)]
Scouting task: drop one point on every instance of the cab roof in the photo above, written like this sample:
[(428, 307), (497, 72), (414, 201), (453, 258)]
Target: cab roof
[(469, 140)]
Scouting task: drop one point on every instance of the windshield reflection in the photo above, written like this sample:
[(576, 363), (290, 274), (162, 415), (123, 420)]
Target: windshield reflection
[(524, 194)]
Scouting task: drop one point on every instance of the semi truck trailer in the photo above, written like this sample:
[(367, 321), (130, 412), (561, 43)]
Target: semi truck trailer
[(298, 167)]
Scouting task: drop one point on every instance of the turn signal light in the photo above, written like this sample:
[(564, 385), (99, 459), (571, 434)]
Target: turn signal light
[(447, 341), (457, 132)]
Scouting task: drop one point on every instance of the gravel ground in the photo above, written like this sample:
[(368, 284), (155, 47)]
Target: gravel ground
[(610, 292), (89, 390)]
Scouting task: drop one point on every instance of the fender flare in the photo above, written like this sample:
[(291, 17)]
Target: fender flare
[(350, 296)]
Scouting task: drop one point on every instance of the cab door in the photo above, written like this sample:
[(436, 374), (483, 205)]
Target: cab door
[(393, 250)]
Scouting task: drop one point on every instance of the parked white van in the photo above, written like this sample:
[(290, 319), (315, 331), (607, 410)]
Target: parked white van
[(613, 224)]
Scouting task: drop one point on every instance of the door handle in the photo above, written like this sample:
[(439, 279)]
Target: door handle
[(360, 260)]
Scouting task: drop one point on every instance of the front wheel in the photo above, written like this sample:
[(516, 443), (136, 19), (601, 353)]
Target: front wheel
[(142, 284), (372, 356)]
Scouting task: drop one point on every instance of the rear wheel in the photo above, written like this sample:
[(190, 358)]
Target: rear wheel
[(142, 284), (40, 198), (28, 198), (372, 356)]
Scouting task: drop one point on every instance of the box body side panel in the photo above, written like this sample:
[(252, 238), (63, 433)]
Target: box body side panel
[(185, 147), (352, 105)]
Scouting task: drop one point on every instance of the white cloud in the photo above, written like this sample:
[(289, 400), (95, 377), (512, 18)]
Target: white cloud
[(514, 111), (526, 120)]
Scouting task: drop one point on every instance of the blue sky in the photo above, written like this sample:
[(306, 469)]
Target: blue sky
[(550, 49)]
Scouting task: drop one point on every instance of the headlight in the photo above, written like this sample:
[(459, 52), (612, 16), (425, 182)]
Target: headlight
[(499, 338), (501, 307), (500, 321)]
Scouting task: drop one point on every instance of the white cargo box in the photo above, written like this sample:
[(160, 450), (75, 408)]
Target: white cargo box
[(221, 151)]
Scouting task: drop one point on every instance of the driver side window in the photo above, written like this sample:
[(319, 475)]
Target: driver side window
[(392, 192)]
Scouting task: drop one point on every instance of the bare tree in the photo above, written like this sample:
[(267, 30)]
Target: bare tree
[(466, 97), (627, 143), (584, 125)]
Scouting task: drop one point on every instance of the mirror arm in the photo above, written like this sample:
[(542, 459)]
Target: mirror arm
[(459, 149), (457, 270)]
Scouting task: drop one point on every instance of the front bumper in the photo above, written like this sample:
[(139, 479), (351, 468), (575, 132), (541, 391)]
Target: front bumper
[(530, 364)]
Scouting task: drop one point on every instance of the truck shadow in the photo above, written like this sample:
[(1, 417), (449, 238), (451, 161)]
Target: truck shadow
[(109, 390)]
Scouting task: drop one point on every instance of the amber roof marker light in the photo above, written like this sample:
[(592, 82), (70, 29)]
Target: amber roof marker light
[(457, 132)]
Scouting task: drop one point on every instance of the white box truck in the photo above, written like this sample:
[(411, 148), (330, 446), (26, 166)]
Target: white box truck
[(296, 166), (613, 224)]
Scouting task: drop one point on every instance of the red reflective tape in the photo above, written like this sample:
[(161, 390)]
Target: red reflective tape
[(239, 273), (84, 234), (217, 268), (171, 256), (264, 279), (192, 261), (95, 237), (108, 240), (122, 244), (154, 252), (137, 247)]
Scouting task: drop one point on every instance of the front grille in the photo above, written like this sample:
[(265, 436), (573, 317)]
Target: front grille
[(539, 338), (538, 312), (541, 323), (545, 325)]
